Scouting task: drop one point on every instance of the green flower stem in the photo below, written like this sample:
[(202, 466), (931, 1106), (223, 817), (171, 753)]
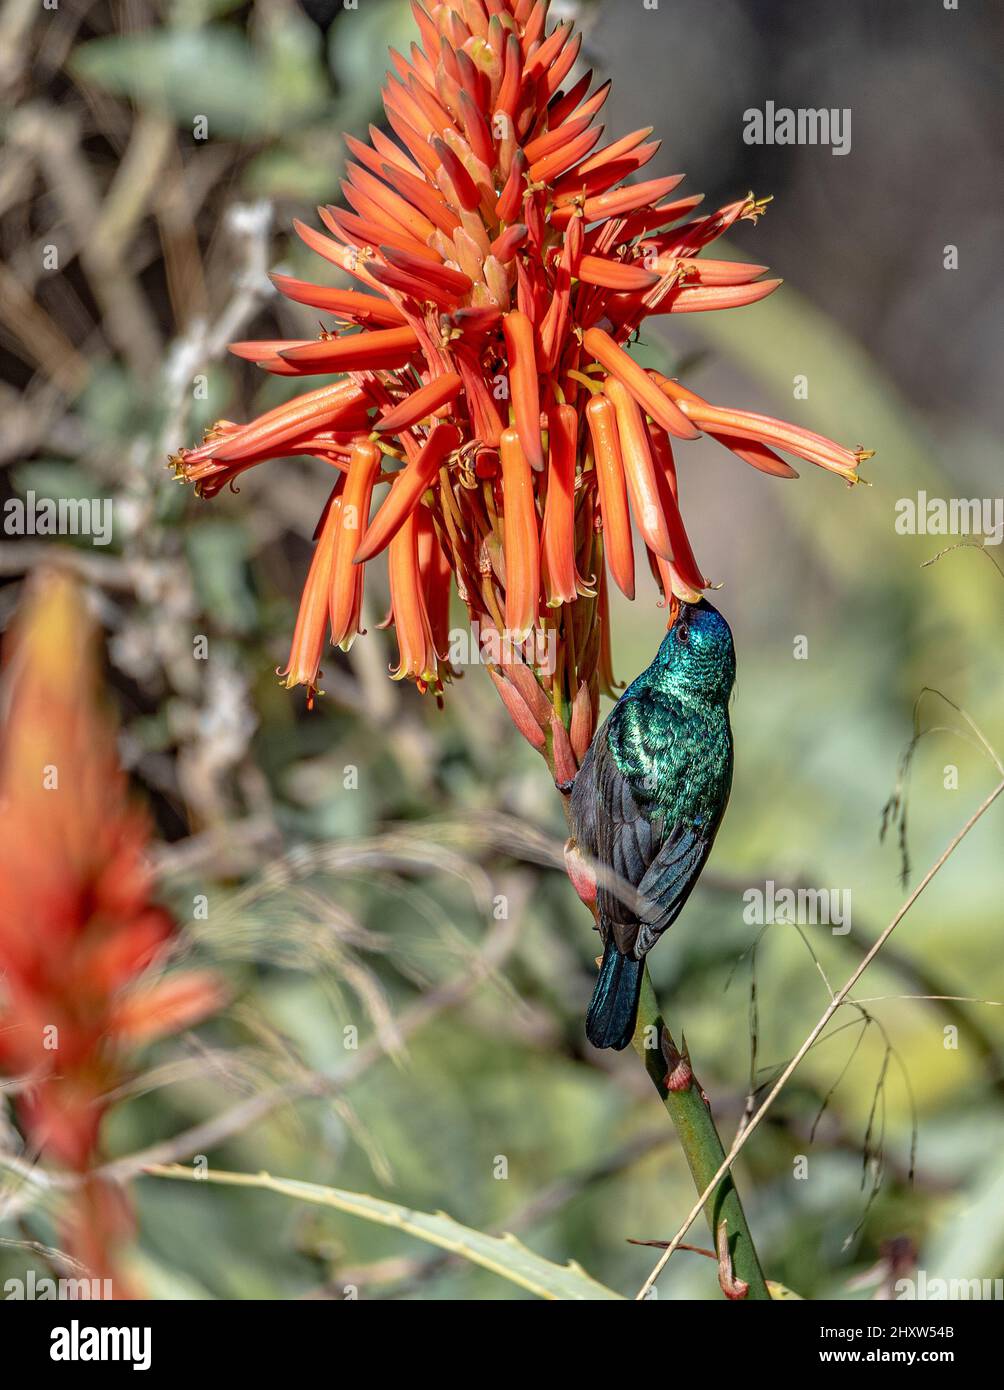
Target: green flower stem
[(691, 1114)]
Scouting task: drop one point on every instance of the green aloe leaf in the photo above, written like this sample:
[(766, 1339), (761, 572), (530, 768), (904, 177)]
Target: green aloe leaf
[(503, 1255)]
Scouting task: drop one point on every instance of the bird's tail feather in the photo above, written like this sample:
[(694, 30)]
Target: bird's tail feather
[(613, 1008)]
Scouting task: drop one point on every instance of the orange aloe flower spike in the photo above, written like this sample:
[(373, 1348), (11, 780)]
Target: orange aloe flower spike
[(562, 756), (814, 448), (758, 455), (467, 191), (157, 1009), (533, 21), (262, 349), (519, 538), (425, 197), (426, 27), (602, 419), (416, 144), (419, 288), (392, 153), (507, 247), (391, 204), (79, 924), (480, 402)]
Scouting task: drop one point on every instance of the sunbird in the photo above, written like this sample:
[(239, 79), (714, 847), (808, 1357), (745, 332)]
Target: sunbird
[(647, 802)]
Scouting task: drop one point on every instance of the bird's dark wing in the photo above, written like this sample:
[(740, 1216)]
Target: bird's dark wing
[(668, 882), (648, 830), (582, 802)]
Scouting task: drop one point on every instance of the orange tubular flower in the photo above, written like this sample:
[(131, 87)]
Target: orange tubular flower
[(502, 262), (558, 539), (613, 492), (518, 331), (407, 489), (79, 928), (304, 665), (681, 575), (639, 470), (349, 514), (419, 658), (520, 543)]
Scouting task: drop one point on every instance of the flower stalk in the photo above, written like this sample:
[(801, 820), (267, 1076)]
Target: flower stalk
[(690, 1111)]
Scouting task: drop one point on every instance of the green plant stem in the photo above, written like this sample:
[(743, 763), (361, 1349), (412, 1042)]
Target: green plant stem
[(690, 1112)]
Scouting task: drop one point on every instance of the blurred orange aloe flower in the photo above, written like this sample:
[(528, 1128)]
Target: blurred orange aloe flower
[(79, 929), (504, 262)]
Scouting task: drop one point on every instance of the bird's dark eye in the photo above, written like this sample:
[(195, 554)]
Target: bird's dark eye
[(684, 633)]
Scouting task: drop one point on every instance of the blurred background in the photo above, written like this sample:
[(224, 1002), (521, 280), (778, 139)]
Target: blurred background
[(383, 865)]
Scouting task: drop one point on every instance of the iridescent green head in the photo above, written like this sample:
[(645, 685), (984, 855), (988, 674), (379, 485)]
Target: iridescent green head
[(697, 658)]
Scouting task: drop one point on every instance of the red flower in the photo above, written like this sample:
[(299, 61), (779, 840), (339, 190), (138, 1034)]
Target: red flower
[(503, 264), (79, 928)]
